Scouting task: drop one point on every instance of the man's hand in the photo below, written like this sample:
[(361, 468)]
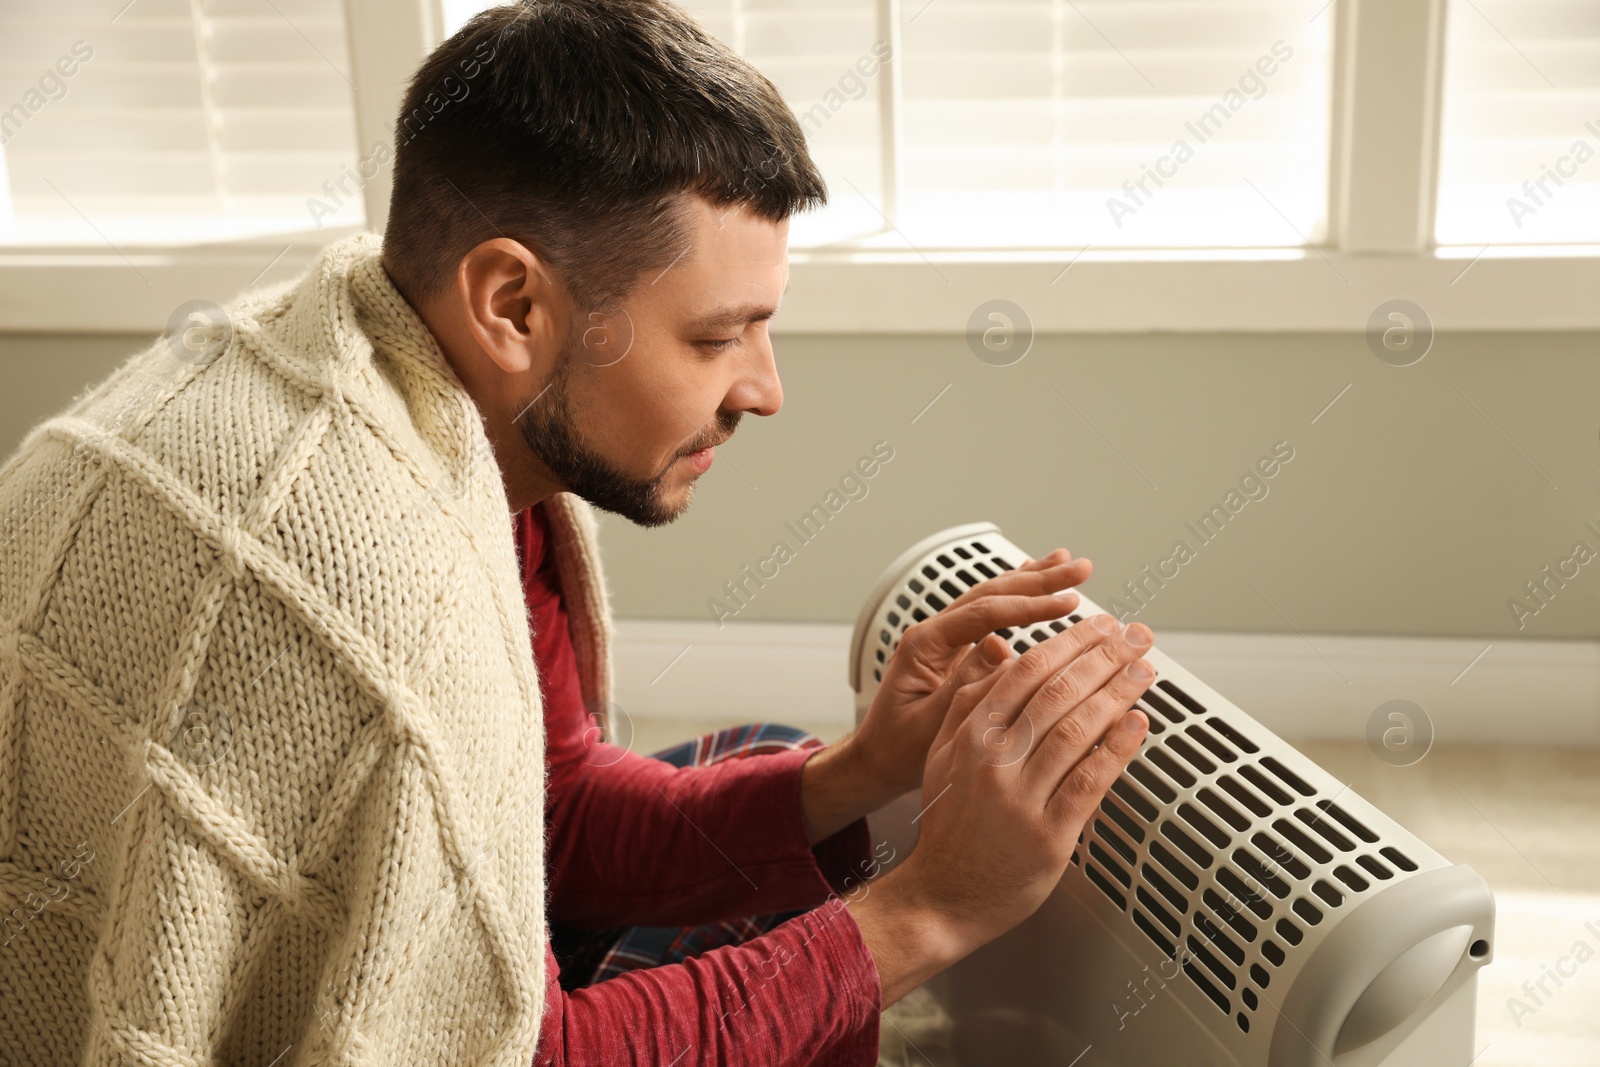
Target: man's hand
[(928, 666), (1023, 758), (884, 757)]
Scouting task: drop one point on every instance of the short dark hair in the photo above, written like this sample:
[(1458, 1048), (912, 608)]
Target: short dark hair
[(575, 127)]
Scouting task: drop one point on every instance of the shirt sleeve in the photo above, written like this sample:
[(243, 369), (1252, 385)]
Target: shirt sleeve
[(735, 1005), (634, 840)]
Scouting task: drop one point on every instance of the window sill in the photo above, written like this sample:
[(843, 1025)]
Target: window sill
[(1133, 291)]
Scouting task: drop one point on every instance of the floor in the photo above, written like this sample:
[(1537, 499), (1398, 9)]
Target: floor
[(1528, 819)]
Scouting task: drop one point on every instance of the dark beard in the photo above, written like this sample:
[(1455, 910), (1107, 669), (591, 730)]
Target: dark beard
[(550, 432)]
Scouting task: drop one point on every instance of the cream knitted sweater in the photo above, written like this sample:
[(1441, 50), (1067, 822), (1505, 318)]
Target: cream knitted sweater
[(271, 741)]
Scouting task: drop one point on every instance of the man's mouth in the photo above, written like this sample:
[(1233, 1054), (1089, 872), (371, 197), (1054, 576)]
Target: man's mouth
[(701, 458)]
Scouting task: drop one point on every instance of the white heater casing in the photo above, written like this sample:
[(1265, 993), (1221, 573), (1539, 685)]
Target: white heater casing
[(1229, 903)]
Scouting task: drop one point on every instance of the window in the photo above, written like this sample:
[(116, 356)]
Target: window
[(1520, 158), (1054, 123), (163, 122), (1194, 164)]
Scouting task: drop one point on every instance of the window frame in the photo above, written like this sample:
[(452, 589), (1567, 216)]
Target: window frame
[(1383, 172)]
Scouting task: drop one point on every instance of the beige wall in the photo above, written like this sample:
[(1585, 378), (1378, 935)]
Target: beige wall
[(1418, 504)]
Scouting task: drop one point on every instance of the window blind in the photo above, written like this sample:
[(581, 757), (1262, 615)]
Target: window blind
[(181, 121), (1519, 159), (1052, 123), (1116, 122)]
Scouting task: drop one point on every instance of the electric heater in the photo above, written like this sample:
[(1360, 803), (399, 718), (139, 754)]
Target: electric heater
[(1229, 902)]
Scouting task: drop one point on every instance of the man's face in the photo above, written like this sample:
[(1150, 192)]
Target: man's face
[(639, 395)]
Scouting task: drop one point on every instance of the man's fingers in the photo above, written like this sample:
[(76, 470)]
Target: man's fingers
[(1035, 666), (966, 698), (1020, 597), (1066, 737), (978, 661), (1052, 559), (1084, 785), (1061, 696), (970, 617)]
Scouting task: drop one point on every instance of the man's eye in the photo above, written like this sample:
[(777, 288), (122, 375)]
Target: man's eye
[(719, 344)]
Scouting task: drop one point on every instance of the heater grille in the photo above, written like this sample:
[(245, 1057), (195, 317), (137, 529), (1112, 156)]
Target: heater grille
[(1224, 847)]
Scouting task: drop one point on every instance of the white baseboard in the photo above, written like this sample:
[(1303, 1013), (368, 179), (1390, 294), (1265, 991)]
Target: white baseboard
[(1324, 686)]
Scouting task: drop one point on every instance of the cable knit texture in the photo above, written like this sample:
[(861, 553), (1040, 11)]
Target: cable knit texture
[(271, 742)]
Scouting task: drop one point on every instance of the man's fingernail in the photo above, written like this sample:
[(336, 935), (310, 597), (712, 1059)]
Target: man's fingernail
[(1104, 623), (1140, 671), (1137, 638), (1131, 722)]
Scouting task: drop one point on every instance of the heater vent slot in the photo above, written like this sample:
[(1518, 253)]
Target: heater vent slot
[(1398, 858), (1151, 698), (1189, 753), (1208, 829), (1209, 742), (1136, 800), (1214, 965), (1142, 773), (1261, 875), (1105, 886), (1164, 887), (1351, 879), (1258, 807), (1191, 848), (1246, 895), (1266, 785), (1325, 828), (1216, 937), (1153, 934), (1330, 896), (1229, 814), (1181, 697), (1240, 741), (1169, 766), (1112, 867), (1292, 832), (1154, 908), (1110, 837), (1348, 821), (1205, 986), (1289, 778), (1172, 863), (1122, 819), (1241, 926), (1378, 870)]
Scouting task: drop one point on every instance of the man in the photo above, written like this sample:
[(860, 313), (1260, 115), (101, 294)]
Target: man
[(259, 650)]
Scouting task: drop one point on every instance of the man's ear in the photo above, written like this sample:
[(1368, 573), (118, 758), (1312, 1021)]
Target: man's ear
[(512, 302)]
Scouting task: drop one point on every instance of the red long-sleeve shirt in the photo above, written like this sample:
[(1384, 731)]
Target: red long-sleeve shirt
[(634, 840)]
